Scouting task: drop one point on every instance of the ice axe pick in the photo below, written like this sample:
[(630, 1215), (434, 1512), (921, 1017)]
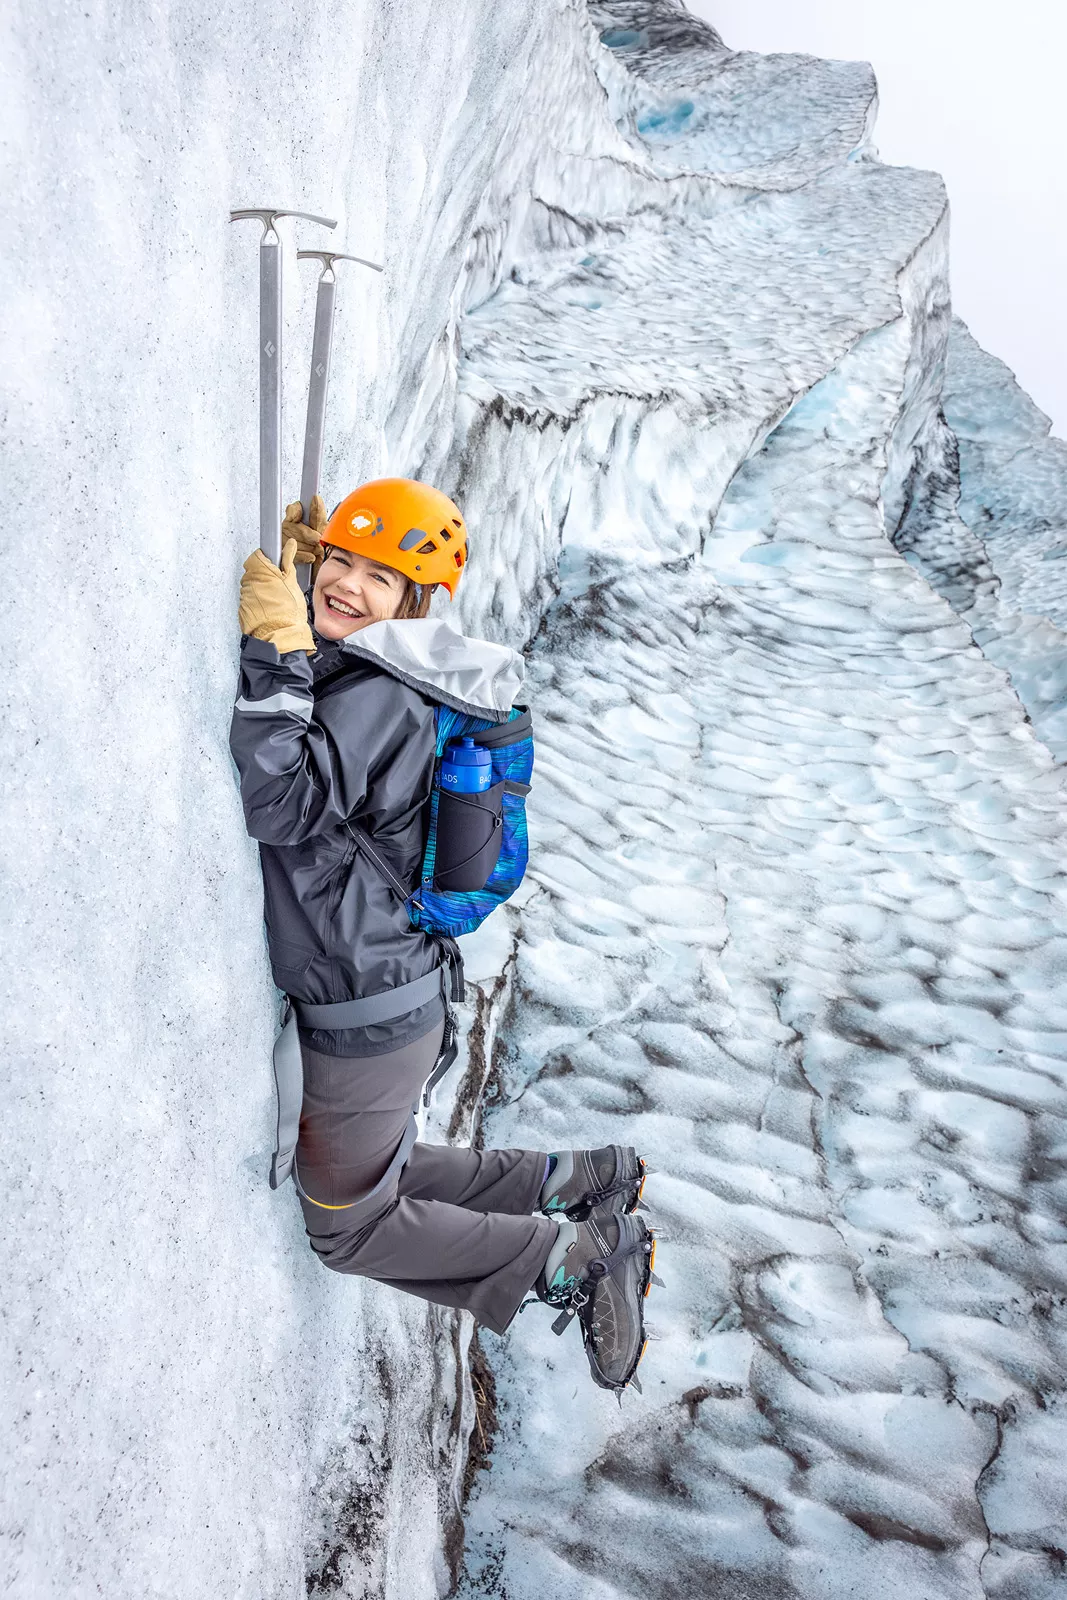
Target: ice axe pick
[(270, 370), (321, 348)]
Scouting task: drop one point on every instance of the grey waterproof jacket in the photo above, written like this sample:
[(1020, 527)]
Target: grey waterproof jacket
[(348, 734)]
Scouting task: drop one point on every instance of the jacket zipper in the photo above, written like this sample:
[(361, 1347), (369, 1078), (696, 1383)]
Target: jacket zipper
[(337, 892)]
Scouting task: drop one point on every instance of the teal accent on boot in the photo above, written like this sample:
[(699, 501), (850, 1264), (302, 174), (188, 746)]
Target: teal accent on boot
[(554, 1188), (583, 1182), (555, 1275), (550, 1202)]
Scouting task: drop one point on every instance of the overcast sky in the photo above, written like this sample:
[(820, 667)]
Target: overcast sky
[(977, 92)]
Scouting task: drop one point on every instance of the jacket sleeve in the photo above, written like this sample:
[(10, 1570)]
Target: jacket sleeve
[(295, 781)]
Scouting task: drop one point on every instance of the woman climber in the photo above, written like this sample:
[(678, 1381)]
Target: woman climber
[(336, 733)]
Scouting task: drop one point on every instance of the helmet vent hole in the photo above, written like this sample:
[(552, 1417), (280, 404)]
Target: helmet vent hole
[(457, 556), (426, 549), (456, 522), (445, 534)]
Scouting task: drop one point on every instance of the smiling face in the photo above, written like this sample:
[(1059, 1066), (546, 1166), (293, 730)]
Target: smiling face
[(352, 592)]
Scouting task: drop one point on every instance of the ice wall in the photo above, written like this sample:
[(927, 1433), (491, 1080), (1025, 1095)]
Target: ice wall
[(795, 922), (193, 1407), (986, 522)]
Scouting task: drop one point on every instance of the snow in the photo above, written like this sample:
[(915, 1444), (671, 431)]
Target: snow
[(785, 548)]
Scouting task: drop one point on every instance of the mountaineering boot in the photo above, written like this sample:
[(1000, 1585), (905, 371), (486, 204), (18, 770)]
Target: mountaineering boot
[(601, 1272), (582, 1181)]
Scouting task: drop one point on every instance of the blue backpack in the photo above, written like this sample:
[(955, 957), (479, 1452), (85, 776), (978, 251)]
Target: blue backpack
[(476, 844)]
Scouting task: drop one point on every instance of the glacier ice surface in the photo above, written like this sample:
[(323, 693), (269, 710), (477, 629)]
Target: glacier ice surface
[(799, 925), (785, 548)]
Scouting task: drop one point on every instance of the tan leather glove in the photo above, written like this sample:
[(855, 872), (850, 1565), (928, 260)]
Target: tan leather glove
[(308, 535), (273, 606)]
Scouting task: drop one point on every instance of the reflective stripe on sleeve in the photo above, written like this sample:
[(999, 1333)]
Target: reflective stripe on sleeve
[(282, 701)]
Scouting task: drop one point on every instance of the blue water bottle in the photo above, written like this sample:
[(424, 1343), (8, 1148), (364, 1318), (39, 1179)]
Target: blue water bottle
[(467, 768)]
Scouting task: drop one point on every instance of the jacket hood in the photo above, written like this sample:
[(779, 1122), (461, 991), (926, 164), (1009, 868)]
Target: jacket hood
[(431, 655)]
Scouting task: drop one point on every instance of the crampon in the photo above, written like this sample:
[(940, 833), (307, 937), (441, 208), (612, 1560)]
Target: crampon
[(601, 1271)]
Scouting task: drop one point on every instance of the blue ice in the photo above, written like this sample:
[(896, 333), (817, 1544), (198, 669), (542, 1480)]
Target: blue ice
[(667, 122), (624, 38)]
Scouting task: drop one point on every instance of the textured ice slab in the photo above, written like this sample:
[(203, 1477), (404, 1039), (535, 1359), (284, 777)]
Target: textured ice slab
[(803, 917), (689, 103), (1013, 482), (801, 927), (619, 374), (986, 514)]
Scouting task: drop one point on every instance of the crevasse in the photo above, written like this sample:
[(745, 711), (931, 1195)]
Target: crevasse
[(784, 547)]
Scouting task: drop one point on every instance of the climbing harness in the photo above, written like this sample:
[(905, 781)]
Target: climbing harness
[(446, 980)]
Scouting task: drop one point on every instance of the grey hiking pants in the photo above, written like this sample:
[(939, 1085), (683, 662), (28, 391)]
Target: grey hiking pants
[(455, 1226)]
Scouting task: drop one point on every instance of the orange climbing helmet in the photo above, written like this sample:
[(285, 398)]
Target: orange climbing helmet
[(406, 525)]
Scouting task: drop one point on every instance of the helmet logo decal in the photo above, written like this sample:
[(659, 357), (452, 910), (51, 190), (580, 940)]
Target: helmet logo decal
[(364, 522)]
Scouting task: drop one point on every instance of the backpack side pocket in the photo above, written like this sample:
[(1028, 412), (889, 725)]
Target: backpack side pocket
[(470, 830)]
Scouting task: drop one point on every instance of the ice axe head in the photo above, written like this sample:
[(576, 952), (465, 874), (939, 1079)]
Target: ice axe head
[(268, 215), (328, 257)]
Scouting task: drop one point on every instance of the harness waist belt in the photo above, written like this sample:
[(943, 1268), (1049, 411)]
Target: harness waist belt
[(373, 1007)]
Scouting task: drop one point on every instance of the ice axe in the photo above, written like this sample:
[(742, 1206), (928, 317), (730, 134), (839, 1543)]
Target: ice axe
[(270, 371), (321, 348)]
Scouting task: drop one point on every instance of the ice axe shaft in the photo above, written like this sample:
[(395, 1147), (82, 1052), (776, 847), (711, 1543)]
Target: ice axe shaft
[(321, 352), (270, 398), (270, 370)]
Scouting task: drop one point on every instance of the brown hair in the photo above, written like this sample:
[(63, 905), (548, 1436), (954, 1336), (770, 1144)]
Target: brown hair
[(415, 601)]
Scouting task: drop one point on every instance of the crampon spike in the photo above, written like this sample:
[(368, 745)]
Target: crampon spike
[(651, 1264), (635, 1381)]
